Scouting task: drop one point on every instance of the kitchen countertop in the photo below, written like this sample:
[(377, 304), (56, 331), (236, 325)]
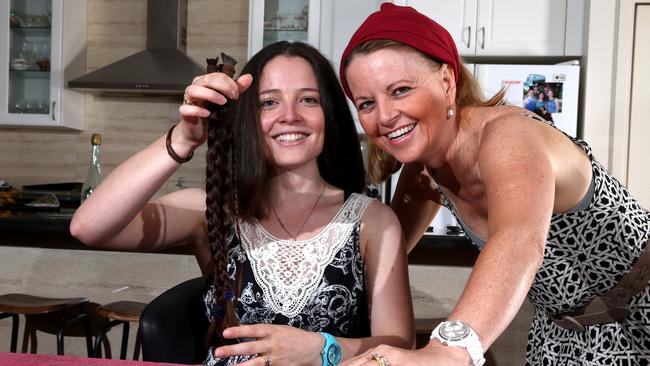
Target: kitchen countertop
[(51, 230)]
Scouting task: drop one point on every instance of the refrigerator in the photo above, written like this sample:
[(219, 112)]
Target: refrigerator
[(548, 90), (551, 91)]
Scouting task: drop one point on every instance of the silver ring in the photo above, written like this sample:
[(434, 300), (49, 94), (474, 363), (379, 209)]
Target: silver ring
[(381, 361), (267, 359)]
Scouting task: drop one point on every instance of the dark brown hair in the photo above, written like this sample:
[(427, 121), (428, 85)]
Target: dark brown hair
[(238, 172), (468, 93)]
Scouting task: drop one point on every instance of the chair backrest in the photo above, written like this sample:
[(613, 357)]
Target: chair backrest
[(174, 325)]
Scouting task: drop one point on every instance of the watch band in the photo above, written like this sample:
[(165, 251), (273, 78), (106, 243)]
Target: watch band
[(331, 352), (469, 340)]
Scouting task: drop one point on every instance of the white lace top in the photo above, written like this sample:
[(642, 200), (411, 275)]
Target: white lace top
[(315, 284)]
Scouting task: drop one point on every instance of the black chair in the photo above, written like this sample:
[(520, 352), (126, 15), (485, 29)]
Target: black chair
[(173, 325)]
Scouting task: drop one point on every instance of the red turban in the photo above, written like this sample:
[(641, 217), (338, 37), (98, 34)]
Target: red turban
[(404, 24)]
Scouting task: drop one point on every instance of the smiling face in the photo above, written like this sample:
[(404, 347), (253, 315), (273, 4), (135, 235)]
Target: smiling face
[(291, 116), (402, 99)]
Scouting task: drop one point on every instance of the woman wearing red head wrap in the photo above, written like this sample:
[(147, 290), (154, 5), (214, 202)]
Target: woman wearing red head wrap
[(551, 221)]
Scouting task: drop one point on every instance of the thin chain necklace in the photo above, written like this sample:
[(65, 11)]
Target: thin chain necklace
[(284, 227)]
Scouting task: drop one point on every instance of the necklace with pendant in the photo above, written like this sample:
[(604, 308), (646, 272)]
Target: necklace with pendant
[(284, 227)]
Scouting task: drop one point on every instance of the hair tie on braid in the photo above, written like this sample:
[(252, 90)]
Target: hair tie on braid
[(216, 311)]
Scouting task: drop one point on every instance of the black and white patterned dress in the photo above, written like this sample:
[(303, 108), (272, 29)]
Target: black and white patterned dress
[(587, 252), (315, 285)]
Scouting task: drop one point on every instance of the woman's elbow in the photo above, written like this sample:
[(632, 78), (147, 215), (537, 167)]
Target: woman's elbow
[(80, 230)]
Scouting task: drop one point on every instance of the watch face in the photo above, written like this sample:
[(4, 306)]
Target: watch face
[(454, 330), (334, 354)]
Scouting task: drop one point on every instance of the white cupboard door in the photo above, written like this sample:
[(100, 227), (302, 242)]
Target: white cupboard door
[(339, 20), (458, 17), (513, 27)]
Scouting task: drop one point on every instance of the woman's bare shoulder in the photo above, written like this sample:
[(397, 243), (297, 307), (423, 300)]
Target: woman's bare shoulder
[(513, 119), (379, 217), (516, 126)]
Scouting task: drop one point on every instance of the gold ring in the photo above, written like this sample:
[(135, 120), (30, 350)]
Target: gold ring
[(187, 102), (267, 359), (381, 361)]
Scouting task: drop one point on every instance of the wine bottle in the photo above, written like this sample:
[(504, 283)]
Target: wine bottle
[(94, 175)]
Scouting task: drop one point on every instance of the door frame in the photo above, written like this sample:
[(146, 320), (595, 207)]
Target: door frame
[(622, 98)]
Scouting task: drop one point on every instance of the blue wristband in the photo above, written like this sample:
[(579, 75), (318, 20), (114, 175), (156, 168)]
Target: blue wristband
[(331, 352)]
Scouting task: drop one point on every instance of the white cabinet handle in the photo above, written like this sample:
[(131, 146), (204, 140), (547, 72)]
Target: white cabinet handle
[(482, 30), (52, 109), (469, 36)]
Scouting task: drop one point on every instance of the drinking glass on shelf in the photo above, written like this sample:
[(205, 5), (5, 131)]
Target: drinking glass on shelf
[(30, 106), (29, 53), (43, 50), (43, 56), (43, 107), (19, 107)]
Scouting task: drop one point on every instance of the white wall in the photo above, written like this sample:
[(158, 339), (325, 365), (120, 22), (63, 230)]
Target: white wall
[(600, 78)]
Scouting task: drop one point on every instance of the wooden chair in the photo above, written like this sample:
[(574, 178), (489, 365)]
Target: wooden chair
[(50, 323), (120, 312), (12, 305)]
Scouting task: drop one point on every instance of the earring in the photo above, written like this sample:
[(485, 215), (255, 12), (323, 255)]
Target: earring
[(450, 112)]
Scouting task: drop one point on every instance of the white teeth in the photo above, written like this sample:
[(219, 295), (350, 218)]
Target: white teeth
[(290, 137), (401, 132)]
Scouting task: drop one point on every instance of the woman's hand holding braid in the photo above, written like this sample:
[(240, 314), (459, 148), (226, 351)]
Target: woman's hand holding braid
[(216, 88)]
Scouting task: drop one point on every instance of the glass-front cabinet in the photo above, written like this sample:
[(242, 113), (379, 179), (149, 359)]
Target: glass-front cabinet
[(44, 47), (277, 20)]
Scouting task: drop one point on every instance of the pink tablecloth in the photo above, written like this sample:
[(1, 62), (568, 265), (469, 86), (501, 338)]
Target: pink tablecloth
[(26, 359)]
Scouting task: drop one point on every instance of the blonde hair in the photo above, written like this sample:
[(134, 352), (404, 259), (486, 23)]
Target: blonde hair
[(381, 164)]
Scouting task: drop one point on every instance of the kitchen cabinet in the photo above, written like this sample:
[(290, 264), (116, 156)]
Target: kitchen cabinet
[(275, 20), (509, 27), (43, 49), (327, 25)]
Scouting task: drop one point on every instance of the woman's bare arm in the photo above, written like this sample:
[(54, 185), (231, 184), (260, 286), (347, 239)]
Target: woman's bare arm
[(118, 215), (517, 170), (415, 202)]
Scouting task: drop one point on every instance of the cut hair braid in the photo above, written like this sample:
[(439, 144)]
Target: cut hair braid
[(221, 218)]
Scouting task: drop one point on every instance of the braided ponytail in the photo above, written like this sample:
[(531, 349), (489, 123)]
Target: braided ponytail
[(221, 218)]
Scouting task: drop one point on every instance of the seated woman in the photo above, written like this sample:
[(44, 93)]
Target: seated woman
[(297, 261)]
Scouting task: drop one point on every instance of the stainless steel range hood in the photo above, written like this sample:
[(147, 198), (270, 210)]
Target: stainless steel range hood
[(162, 68)]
